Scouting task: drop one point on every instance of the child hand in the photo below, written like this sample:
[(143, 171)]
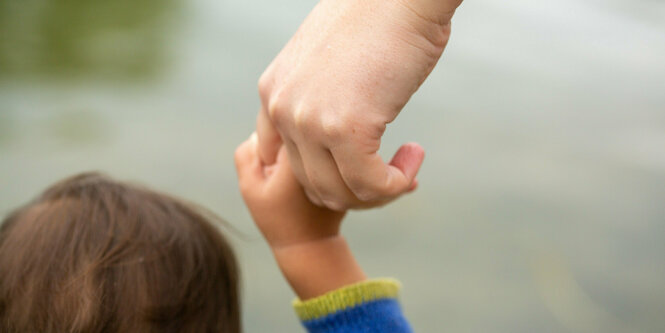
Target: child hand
[(303, 237), (278, 203)]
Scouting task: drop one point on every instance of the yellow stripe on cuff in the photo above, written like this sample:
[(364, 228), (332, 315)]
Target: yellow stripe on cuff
[(346, 297)]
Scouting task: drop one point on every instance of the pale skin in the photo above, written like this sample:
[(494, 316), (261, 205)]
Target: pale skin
[(304, 238), (328, 95)]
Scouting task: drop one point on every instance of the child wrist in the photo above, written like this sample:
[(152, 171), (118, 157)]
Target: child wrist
[(294, 245), (315, 268)]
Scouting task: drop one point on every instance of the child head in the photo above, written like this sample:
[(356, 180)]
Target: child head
[(94, 255)]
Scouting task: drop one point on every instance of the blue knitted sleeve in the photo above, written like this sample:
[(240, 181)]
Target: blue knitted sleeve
[(370, 306)]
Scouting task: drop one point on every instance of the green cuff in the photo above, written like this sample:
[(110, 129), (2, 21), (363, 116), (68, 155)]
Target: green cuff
[(346, 297)]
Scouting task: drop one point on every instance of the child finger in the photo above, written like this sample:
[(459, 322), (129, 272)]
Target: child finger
[(247, 162)]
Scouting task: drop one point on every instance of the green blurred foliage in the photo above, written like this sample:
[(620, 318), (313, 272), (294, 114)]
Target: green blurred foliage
[(77, 127), (73, 38), (6, 127)]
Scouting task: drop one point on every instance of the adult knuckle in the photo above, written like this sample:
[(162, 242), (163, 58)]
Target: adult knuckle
[(302, 118), (334, 128), (277, 106), (264, 85)]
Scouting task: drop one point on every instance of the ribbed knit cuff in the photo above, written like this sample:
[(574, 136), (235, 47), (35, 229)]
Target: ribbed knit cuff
[(346, 297)]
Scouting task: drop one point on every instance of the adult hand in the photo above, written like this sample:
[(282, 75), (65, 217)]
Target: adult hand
[(329, 94)]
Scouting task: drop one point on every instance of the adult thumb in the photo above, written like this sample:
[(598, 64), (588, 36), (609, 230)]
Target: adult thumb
[(408, 159)]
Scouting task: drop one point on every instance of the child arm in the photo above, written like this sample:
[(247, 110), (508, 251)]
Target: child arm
[(334, 293)]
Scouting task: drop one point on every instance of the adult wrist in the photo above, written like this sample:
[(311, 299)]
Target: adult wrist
[(434, 11)]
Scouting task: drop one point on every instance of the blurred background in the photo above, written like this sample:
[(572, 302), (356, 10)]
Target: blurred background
[(542, 198)]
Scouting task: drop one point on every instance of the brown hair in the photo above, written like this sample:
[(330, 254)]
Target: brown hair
[(94, 255)]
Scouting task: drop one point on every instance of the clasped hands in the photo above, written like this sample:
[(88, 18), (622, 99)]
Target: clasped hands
[(327, 97)]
